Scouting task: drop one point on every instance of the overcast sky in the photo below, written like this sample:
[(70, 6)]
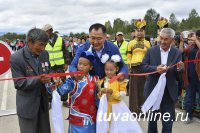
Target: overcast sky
[(77, 15)]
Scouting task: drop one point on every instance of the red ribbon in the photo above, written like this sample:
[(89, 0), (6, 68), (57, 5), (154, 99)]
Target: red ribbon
[(149, 73), (116, 77), (50, 75), (110, 81)]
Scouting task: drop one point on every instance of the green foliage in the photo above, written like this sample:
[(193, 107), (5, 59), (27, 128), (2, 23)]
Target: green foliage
[(13, 36), (79, 35), (108, 27), (193, 21), (173, 22), (118, 25), (151, 18)]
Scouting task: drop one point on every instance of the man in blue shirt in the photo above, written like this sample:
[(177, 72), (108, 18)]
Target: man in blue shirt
[(99, 46)]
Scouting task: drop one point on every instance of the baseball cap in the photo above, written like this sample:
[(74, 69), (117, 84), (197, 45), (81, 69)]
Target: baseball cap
[(119, 33), (47, 27)]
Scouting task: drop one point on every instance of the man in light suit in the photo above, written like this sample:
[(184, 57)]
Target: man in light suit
[(156, 59), (31, 96)]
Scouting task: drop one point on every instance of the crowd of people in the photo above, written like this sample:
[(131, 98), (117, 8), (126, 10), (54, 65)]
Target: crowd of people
[(100, 60), (15, 44)]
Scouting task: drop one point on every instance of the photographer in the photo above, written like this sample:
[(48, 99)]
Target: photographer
[(192, 78)]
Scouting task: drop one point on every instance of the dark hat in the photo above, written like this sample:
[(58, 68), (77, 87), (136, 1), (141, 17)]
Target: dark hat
[(140, 24), (88, 55), (162, 23)]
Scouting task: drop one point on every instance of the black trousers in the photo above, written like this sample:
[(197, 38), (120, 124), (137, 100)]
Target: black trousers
[(167, 107)]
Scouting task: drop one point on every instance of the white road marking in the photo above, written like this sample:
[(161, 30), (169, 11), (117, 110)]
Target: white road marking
[(5, 94), (7, 112)]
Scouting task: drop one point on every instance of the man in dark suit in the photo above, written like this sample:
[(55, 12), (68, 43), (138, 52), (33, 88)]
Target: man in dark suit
[(156, 59), (31, 97)]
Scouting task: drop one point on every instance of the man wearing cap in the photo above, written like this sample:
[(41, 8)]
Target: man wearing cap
[(136, 51), (122, 45), (58, 54)]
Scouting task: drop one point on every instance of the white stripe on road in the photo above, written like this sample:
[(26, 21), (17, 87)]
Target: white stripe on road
[(4, 96), (7, 112)]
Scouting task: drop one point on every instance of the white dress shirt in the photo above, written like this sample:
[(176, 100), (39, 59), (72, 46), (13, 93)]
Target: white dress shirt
[(99, 53), (164, 56)]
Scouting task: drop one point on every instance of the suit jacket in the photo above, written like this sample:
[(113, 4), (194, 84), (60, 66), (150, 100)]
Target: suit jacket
[(98, 69), (31, 93), (149, 64)]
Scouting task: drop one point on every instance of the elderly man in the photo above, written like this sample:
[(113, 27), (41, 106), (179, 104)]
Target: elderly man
[(58, 55), (31, 97), (99, 46), (156, 59)]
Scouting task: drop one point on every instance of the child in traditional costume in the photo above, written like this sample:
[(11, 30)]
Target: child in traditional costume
[(83, 96), (112, 95)]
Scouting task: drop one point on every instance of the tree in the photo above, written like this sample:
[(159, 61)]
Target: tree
[(71, 34), (78, 35), (173, 22), (118, 25), (151, 18), (193, 14), (193, 20), (191, 23), (183, 25), (108, 27), (13, 36), (132, 24)]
